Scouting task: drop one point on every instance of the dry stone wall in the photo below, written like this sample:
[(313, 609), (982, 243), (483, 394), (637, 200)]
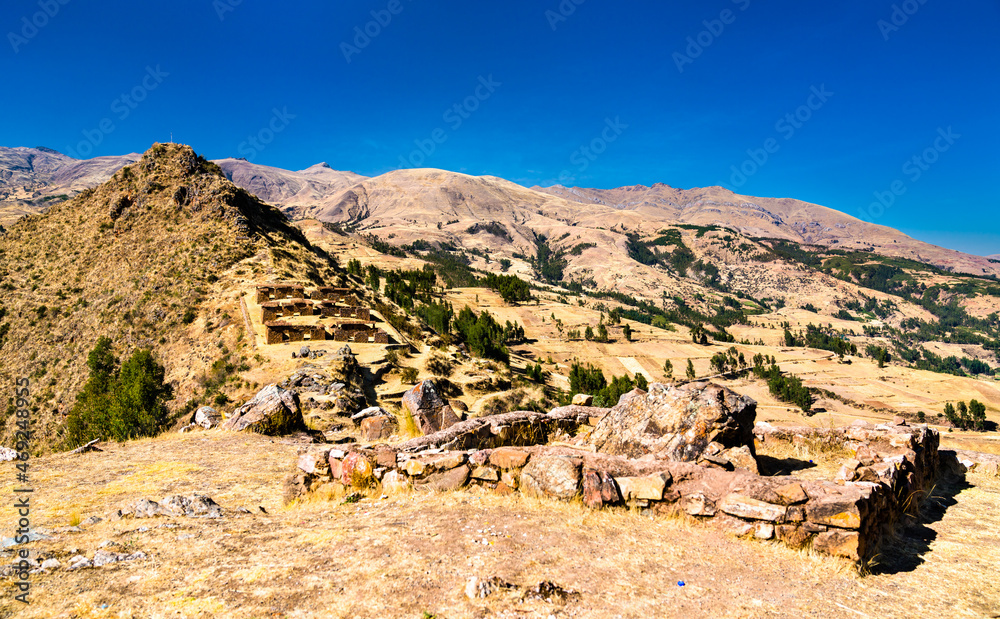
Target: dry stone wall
[(848, 517)]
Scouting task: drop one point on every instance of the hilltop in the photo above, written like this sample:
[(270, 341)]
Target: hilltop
[(151, 258)]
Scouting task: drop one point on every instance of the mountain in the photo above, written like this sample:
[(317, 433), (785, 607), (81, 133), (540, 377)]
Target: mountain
[(297, 192), (156, 257), (782, 218), (30, 178)]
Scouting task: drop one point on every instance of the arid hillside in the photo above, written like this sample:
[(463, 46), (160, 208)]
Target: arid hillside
[(33, 178), (151, 259)]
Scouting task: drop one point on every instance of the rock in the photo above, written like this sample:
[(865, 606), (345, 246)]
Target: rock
[(764, 530), (79, 562), (843, 511), (583, 399), (428, 409), (839, 543), (315, 462), (394, 482), (356, 470), (458, 405), (371, 411), (698, 504), (207, 417), (7, 454), (508, 458), (378, 428), (745, 507), (296, 485), (485, 587), (192, 506), (143, 508), (304, 352), (742, 458), (792, 535), (551, 476), (791, 493), (51, 564), (444, 481), (486, 473), (273, 411), (414, 468), (898, 421), (610, 493), (649, 487), (104, 557), (592, 496), (677, 422)]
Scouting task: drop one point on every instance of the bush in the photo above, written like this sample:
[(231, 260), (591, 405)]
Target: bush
[(189, 316), (119, 403), (408, 375), (438, 365)]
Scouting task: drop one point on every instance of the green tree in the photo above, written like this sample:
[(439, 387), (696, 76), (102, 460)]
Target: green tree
[(977, 413), (119, 403), (588, 333), (668, 369), (627, 332), (690, 370), (602, 333)]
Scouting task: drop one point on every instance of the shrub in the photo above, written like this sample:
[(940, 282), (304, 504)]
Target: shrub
[(408, 375)]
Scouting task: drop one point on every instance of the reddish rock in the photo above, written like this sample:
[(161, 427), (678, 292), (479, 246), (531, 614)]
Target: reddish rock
[(508, 458), (792, 493), (843, 511), (485, 473), (385, 456), (445, 481), (592, 486), (610, 493), (356, 470), (840, 544), (378, 428)]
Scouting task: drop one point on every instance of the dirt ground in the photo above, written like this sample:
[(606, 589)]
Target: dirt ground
[(412, 555)]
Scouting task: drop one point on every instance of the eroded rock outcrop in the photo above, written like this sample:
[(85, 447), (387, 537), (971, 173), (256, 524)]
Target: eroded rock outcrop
[(273, 411), (697, 422), (428, 409)]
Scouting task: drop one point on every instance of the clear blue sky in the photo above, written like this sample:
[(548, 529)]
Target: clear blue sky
[(537, 81)]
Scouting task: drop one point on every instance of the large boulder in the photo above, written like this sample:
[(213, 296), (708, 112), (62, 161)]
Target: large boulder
[(428, 409), (272, 411), (207, 417), (677, 422)]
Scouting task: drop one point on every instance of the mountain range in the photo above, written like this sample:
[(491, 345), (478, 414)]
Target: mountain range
[(31, 178)]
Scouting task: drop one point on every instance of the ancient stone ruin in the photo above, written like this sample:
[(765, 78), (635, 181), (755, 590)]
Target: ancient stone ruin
[(675, 449), (279, 301), (279, 291), (279, 332)]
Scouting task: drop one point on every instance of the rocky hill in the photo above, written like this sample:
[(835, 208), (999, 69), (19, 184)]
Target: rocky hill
[(153, 258)]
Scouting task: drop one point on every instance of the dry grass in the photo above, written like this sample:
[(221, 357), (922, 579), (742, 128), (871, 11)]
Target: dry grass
[(413, 552)]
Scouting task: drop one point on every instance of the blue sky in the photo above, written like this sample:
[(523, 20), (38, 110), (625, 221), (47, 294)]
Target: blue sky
[(884, 109)]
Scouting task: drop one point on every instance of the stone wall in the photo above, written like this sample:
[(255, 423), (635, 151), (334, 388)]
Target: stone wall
[(848, 517), (337, 295), (358, 332), (279, 291), (326, 308), (278, 332)]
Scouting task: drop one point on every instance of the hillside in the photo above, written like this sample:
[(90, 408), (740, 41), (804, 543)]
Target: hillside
[(782, 218), (32, 178), (152, 258), (298, 193)]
